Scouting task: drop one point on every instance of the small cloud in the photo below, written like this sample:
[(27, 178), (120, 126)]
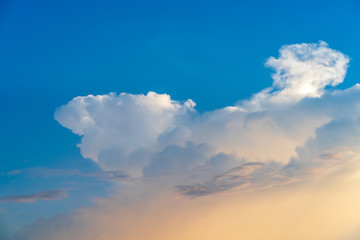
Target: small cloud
[(301, 71), (116, 175), (14, 172), (43, 172), (50, 195)]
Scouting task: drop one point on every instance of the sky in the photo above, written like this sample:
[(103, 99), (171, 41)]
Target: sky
[(179, 120)]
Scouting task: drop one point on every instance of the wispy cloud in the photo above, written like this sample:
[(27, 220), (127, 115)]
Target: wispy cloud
[(116, 175), (237, 177), (50, 195), (43, 172)]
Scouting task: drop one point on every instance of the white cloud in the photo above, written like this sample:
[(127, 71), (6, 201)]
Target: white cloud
[(302, 70), (295, 131), (153, 136), (115, 126), (306, 69)]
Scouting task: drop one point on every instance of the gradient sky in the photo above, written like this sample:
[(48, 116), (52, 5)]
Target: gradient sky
[(214, 53)]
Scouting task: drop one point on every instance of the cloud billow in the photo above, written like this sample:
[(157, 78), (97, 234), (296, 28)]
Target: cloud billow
[(304, 70)]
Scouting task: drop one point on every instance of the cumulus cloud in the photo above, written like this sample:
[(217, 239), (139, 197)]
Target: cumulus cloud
[(154, 136), (45, 195), (292, 139)]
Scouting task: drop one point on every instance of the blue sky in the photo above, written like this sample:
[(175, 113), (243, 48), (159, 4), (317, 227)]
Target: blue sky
[(212, 52)]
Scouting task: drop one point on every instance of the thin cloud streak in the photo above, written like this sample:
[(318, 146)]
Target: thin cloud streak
[(116, 175), (51, 195)]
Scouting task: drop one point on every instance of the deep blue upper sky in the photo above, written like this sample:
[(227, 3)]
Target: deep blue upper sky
[(210, 51)]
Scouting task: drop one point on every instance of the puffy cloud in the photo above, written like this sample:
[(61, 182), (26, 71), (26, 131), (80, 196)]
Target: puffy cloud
[(118, 125), (302, 70), (152, 135), (287, 150), (306, 69)]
